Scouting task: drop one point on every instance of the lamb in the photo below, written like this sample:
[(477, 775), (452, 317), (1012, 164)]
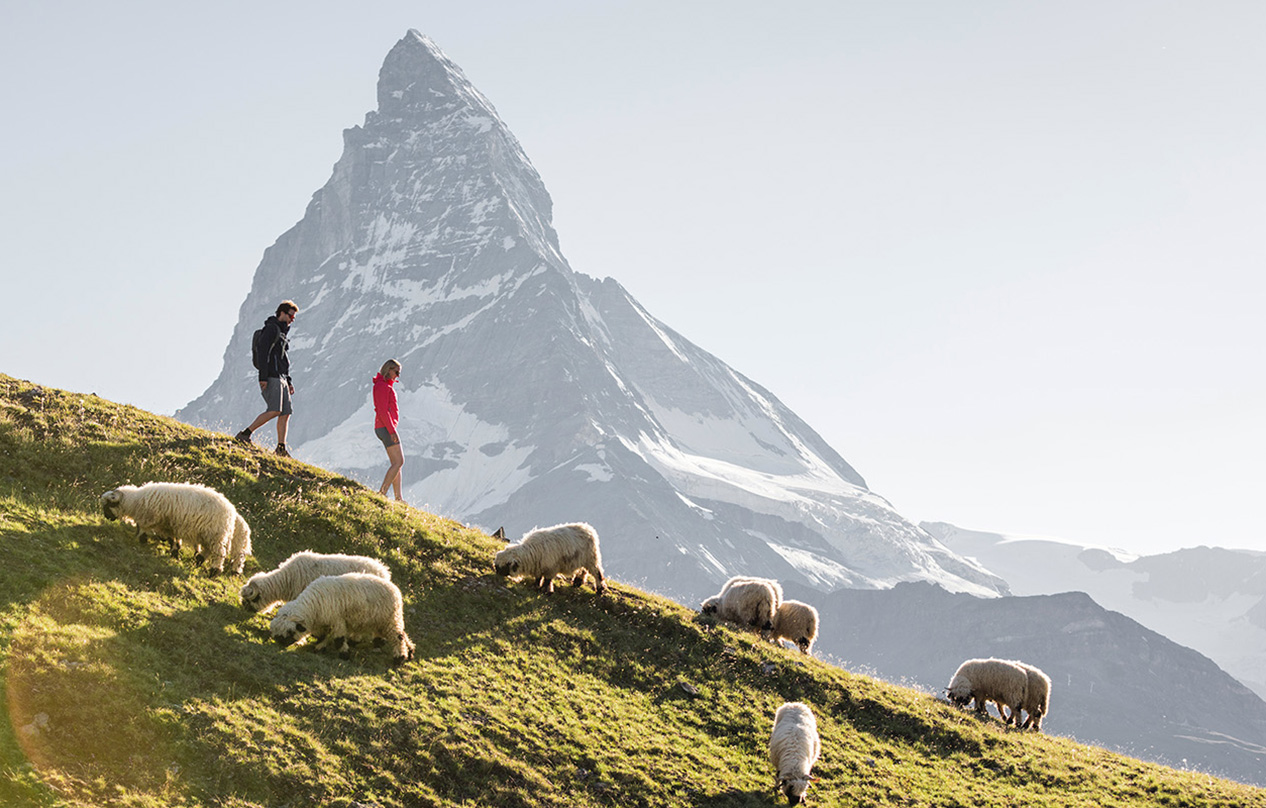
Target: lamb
[(750, 601), (1037, 700), (990, 680), (180, 512), (266, 589), (547, 552), (338, 609), (794, 747), (797, 622)]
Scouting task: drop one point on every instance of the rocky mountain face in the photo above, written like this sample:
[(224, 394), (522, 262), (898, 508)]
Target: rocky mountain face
[(1210, 599), (1114, 682), (533, 394)]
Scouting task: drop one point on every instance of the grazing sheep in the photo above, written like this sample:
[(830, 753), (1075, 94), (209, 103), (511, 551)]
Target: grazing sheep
[(1037, 700), (180, 512), (543, 553), (341, 608), (990, 680), (797, 622), (738, 579), (749, 601), (266, 589), (794, 747)]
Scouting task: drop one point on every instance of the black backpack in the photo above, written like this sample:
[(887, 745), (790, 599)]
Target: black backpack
[(259, 351)]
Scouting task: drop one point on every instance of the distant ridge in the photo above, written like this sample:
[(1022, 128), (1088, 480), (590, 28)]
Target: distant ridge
[(1211, 599), (1116, 683), (533, 394)]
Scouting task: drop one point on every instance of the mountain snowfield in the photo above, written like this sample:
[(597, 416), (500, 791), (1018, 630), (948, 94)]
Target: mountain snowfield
[(1212, 600), (533, 394)]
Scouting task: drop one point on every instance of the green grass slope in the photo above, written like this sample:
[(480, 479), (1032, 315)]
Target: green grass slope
[(130, 678)]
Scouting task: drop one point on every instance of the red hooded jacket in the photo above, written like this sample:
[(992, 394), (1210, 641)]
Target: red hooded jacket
[(386, 413)]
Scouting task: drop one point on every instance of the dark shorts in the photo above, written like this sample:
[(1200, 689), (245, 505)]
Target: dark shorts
[(277, 396), (386, 437)]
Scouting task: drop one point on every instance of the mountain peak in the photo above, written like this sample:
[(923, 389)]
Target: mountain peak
[(416, 74), (536, 394)]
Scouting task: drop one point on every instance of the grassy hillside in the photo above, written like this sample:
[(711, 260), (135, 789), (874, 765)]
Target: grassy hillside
[(131, 678)]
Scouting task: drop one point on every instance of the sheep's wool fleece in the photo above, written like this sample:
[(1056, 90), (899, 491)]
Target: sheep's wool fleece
[(360, 606), (294, 574), (794, 745)]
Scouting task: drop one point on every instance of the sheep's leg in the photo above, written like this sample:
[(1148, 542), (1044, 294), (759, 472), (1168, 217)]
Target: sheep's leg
[(579, 579), (333, 633), (344, 649), (217, 552), (599, 585), (174, 547), (546, 584)]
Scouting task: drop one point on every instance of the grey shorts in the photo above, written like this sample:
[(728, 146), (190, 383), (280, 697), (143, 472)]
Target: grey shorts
[(386, 437), (277, 396)]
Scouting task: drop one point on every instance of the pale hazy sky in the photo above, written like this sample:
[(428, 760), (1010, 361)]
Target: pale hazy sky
[(1006, 257)]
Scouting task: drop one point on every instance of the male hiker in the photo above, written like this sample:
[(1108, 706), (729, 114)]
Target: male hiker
[(268, 352)]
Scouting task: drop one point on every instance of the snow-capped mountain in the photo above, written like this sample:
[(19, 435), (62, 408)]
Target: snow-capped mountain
[(533, 394), (1207, 598)]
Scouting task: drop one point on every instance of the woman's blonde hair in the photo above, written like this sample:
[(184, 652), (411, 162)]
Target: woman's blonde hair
[(389, 365)]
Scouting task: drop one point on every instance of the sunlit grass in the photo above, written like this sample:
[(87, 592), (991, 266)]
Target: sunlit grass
[(131, 678)]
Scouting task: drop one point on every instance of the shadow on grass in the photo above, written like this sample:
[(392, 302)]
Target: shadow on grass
[(737, 798)]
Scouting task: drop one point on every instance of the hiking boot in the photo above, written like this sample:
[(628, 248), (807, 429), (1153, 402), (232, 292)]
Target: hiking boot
[(281, 450), (243, 437)]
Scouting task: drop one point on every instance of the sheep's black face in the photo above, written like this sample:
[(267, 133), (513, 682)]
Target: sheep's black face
[(794, 790), (250, 598), (110, 505), (287, 634), (509, 568), (960, 699)]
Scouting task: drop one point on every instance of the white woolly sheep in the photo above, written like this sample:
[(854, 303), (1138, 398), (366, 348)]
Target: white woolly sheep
[(184, 512), (713, 604), (797, 622), (738, 579), (990, 680), (749, 601), (266, 589), (544, 553), (1037, 699), (338, 609), (794, 747)]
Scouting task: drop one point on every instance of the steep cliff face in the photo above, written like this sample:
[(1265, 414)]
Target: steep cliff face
[(533, 394)]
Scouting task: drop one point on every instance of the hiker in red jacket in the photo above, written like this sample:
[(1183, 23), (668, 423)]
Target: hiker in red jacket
[(386, 420)]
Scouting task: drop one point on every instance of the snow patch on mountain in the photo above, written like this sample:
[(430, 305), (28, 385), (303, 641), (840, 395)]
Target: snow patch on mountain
[(479, 465)]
